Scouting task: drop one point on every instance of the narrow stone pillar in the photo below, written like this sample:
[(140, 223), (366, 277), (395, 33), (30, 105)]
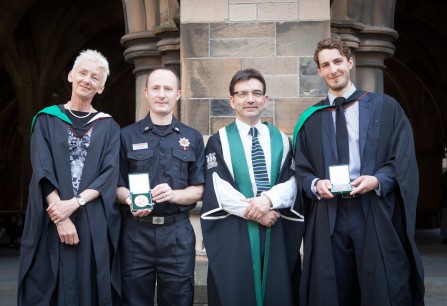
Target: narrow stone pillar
[(168, 47), (370, 47), (367, 28), (141, 50), (376, 45)]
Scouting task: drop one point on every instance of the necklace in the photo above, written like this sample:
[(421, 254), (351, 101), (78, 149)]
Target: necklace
[(80, 117)]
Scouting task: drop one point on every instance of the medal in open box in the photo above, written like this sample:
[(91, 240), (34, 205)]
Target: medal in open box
[(140, 191), (339, 177)]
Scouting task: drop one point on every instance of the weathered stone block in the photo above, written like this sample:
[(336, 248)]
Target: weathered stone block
[(217, 123), (247, 1), (203, 10), (200, 276), (208, 78), (222, 108), (289, 110), (243, 12), (313, 10), (311, 84), (282, 86), (247, 47), (242, 30), (273, 65), (300, 38), (194, 40), (195, 113), (278, 11)]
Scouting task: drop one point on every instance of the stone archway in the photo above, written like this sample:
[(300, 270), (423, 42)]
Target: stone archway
[(38, 43), (415, 77)]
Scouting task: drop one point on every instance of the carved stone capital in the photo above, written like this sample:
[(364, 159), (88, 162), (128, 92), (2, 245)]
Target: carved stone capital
[(378, 40), (141, 50), (168, 44), (371, 44)]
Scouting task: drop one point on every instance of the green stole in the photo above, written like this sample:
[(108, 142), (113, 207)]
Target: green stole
[(53, 110), (243, 183), (304, 116)]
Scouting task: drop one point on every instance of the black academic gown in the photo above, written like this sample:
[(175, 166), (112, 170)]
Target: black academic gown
[(386, 150), (89, 270), (230, 273)]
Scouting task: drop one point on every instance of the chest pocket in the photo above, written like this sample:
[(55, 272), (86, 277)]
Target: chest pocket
[(181, 161), (138, 161)]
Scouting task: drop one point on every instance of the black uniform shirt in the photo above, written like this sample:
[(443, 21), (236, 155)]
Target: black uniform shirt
[(175, 155)]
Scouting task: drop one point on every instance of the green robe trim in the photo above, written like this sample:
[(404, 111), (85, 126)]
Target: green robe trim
[(309, 112), (53, 110), (243, 183), (304, 116)]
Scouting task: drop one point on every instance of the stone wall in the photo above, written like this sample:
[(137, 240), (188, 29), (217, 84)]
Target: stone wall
[(277, 37)]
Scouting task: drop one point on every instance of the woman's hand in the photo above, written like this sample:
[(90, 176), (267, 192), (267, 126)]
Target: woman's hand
[(67, 232)]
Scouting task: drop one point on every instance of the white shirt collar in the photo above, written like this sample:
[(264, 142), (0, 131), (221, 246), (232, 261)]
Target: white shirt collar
[(244, 129), (346, 95)]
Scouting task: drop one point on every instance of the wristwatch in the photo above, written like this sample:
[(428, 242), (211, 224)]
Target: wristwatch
[(81, 201)]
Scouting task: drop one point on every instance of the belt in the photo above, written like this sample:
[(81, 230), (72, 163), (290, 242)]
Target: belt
[(347, 196), (161, 220)]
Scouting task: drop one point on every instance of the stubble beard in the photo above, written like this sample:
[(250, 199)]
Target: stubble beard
[(340, 86)]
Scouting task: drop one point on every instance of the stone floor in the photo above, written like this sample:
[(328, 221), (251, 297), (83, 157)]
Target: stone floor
[(434, 257)]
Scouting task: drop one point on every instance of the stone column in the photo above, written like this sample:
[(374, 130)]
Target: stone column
[(375, 46), (367, 28), (141, 50), (168, 47), (370, 46)]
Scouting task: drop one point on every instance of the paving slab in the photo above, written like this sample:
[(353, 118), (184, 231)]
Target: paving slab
[(434, 258)]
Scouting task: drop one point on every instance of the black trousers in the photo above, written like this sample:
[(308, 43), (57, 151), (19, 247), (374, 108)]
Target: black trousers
[(157, 254), (348, 241)]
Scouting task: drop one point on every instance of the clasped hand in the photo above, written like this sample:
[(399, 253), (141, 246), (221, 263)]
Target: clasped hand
[(67, 232), (258, 210), (60, 210)]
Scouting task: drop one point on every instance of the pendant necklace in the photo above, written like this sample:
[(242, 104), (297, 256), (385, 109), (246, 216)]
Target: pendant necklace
[(80, 117)]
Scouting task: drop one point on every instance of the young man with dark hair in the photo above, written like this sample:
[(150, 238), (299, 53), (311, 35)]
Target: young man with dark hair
[(359, 246)]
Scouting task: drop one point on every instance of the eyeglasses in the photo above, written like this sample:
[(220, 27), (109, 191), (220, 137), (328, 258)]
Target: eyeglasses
[(244, 93)]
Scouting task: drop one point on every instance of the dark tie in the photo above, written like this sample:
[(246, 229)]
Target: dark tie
[(341, 131), (258, 163)]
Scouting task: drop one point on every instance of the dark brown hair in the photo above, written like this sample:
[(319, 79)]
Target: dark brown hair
[(245, 75), (331, 43)]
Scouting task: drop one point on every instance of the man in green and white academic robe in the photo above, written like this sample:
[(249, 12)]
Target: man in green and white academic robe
[(252, 242)]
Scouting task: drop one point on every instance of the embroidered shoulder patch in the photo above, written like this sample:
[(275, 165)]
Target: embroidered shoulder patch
[(211, 161)]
